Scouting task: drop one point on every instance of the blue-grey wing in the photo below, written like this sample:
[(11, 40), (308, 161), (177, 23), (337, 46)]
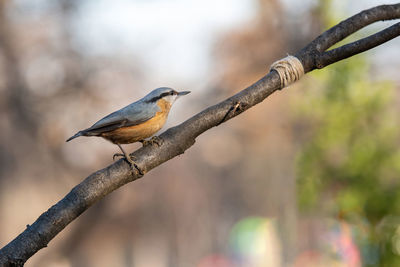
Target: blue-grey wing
[(130, 115)]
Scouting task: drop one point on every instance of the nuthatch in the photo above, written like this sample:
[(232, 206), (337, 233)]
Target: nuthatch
[(136, 121)]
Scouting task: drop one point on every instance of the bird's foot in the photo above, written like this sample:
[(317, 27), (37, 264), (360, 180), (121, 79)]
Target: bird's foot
[(134, 166), (155, 140)]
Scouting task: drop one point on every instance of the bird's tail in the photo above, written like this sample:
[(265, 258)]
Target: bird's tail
[(80, 133)]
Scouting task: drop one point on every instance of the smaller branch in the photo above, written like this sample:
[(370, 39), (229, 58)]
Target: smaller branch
[(355, 23), (357, 47), (313, 56)]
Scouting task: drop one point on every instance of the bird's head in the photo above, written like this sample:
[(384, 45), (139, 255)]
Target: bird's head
[(165, 93)]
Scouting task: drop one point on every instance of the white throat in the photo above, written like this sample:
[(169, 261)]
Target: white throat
[(170, 98)]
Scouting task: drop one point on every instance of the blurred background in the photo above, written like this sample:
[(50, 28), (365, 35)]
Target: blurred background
[(309, 177)]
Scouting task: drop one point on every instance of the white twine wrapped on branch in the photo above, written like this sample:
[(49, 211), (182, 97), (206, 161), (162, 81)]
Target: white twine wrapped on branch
[(289, 69)]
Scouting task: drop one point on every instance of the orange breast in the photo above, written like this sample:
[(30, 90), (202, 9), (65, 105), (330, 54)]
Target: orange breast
[(135, 133)]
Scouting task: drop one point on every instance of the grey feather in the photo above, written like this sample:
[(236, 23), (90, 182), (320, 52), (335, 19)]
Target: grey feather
[(130, 115)]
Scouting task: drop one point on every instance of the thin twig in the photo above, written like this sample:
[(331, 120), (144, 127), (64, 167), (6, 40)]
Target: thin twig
[(232, 108)]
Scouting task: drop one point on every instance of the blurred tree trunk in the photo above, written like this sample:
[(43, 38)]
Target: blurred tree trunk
[(17, 94)]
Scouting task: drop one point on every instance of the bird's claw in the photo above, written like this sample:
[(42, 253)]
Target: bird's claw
[(155, 140), (116, 155), (133, 165)]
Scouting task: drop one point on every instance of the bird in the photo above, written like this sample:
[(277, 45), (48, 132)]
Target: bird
[(135, 122)]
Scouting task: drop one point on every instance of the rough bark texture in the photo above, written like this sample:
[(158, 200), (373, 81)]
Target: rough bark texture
[(180, 138)]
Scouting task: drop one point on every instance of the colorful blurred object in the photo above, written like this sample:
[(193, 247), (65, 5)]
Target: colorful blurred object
[(342, 243), (337, 247), (254, 242)]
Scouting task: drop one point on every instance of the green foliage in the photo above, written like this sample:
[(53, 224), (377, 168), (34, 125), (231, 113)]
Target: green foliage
[(350, 165)]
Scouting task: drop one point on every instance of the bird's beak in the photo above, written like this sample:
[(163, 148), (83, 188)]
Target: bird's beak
[(183, 93)]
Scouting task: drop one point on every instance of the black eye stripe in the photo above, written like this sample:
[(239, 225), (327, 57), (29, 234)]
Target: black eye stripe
[(165, 94), (156, 98)]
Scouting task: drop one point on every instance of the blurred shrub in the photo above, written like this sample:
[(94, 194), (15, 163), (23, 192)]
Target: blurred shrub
[(350, 165)]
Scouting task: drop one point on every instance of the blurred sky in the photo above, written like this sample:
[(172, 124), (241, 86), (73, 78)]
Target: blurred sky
[(175, 35), (173, 39)]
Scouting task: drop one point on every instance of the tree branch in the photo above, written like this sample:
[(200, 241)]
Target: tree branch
[(359, 46), (313, 56), (180, 138)]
